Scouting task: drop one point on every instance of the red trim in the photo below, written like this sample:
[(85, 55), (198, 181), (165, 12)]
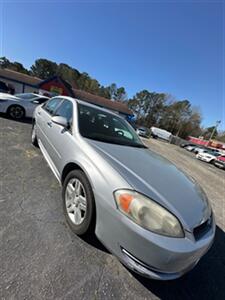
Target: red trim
[(212, 144)]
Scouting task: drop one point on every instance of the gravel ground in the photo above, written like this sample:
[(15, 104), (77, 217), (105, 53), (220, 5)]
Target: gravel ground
[(211, 178), (40, 258)]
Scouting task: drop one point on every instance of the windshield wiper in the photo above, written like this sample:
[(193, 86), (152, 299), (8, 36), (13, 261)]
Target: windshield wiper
[(116, 142), (139, 146)]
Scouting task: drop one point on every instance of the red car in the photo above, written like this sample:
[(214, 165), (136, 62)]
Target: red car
[(220, 162)]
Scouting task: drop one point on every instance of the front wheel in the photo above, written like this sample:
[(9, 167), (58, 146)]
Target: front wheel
[(78, 202)]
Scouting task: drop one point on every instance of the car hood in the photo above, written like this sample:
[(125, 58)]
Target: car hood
[(157, 178), (5, 96), (207, 155)]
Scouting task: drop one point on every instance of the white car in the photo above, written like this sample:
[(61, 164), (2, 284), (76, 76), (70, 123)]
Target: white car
[(199, 150), (208, 157), (20, 105), (190, 147)]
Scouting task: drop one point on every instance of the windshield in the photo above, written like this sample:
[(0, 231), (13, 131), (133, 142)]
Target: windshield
[(213, 153), (26, 96), (99, 125)]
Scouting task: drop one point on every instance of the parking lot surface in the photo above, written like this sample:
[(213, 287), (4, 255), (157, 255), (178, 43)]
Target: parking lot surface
[(40, 258), (211, 178)]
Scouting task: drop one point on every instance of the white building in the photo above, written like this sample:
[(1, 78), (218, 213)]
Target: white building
[(20, 83)]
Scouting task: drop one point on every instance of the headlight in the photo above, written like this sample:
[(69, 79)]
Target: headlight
[(148, 213)]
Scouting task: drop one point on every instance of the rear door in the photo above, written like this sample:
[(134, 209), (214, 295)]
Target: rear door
[(43, 120), (62, 140)]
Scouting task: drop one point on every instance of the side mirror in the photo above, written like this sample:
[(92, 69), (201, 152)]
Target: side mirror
[(60, 121)]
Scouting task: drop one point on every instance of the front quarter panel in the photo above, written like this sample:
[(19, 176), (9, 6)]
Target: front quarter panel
[(102, 177)]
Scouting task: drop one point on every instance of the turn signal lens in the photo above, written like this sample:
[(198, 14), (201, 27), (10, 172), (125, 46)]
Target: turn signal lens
[(124, 202)]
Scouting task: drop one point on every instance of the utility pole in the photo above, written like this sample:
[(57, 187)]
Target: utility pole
[(214, 129), (179, 129)]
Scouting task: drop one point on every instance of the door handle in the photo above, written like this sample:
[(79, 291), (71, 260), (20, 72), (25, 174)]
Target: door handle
[(39, 112), (49, 124)]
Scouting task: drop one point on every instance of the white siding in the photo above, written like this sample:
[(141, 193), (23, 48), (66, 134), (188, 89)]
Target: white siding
[(29, 89), (19, 86)]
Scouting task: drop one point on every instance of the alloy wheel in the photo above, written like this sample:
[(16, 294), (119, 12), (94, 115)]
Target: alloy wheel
[(76, 201), (16, 112)]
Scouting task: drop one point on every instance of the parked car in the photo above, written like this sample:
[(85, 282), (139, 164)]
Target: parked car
[(220, 162), (149, 214), (20, 105), (184, 144), (143, 131), (190, 147), (207, 156), (199, 149)]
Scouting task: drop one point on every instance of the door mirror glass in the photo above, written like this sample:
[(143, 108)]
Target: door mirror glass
[(60, 121)]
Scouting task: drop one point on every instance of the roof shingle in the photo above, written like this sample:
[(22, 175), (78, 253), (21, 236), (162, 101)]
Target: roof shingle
[(98, 100), (82, 95), (13, 75)]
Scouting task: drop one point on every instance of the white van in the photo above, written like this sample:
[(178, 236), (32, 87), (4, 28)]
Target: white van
[(161, 133)]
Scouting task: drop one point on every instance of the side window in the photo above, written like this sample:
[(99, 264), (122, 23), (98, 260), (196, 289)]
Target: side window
[(65, 110), (119, 126), (40, 100), (51, 105)]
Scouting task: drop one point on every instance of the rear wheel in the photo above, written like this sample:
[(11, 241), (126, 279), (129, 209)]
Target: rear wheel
[(78, 202), (16, 112)]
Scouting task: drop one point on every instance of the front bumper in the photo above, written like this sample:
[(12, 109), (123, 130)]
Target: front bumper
[(203, 158), (149, 254), (151, 272)]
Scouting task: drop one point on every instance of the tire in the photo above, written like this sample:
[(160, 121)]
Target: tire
[(16, 112), (34, 140), (82, 222), (219, 166)]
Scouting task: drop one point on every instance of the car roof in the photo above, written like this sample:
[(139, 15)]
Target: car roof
[(32, 94), (210, 152), (89, 105)]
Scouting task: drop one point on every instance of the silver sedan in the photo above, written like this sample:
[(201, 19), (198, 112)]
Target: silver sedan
[(155, 219)]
